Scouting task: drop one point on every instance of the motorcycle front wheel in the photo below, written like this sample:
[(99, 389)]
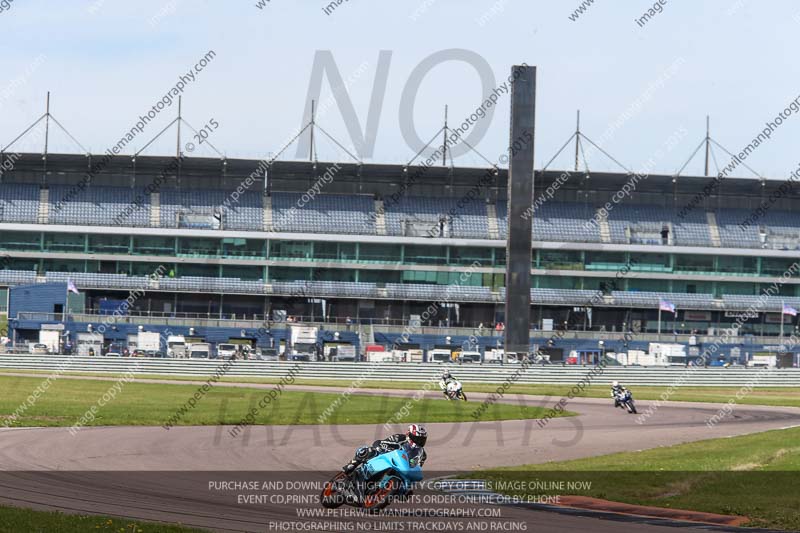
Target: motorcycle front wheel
[(331, 498)]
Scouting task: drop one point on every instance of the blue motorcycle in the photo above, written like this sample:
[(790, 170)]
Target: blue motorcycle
[(374, 484)]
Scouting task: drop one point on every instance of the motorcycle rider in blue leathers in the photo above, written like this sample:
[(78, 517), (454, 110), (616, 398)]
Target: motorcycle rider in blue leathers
[(415, 436), (617, 390)]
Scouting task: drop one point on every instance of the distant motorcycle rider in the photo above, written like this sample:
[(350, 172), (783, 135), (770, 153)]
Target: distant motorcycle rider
[(415, 436), (617, 390), (447, 378)]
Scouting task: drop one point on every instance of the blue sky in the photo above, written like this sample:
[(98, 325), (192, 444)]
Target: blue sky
[(107, 61)]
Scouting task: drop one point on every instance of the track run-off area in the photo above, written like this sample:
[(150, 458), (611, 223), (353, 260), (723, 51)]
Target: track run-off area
[(179, 475)]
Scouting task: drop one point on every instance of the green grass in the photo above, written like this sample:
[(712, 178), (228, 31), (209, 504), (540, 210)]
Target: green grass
[(67, 400), (754, 475), (774, 396), (15, 520)]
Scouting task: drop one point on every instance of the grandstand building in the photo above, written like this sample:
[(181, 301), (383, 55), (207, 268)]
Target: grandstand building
[(244, 242)]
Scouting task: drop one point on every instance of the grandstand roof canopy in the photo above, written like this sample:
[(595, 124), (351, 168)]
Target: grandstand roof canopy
[(284, 173)]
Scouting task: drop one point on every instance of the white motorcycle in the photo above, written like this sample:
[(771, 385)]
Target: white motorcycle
[(453, 390)]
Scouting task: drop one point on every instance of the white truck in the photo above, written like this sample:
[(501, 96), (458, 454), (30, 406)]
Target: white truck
[(666, 354), (149, 341), (176, 346), (763, 361), (413, 355), (470, 356), (226, 350), (439, 355), (89, 342), (200, 350), (304, 343), (496, 355), (345, 352), (51, 338), (632, 358), (374, 356)]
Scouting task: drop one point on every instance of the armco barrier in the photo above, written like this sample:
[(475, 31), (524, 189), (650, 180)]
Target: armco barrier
[(487, 373)]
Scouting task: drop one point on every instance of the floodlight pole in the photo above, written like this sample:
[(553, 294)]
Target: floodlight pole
[(520, 199)]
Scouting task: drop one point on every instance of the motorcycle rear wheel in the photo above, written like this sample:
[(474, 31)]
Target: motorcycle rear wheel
[(380, 498)]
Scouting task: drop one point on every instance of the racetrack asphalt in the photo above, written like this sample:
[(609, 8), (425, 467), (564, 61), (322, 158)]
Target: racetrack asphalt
[(150, 473)]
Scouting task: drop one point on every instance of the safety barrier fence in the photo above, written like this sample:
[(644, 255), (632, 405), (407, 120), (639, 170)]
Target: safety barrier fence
[(347, 371)]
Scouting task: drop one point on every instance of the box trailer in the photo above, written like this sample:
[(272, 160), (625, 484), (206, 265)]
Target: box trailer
[(89, 343), (304, 343), (52, 339), (149, 341), (666, 354), (345, 352)]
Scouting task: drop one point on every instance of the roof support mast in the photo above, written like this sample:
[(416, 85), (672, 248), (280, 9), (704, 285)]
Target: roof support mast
[(178, 154), (444, 139), (577, 139), (708, 140), (46, 124), (178, 146), (46, 117), (46, 137), (311, 144)]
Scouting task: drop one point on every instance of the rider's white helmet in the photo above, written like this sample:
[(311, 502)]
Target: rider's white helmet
[(615, 383)]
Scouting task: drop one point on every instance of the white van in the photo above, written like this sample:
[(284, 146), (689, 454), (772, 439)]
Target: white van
[(439, 355), (470, 357)]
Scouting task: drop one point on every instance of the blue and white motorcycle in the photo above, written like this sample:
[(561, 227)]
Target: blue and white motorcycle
[(377, 482), (625, 400)]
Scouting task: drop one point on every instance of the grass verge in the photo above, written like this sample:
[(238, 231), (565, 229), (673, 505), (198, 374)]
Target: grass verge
[(773, 396), (67, 400), (16, 520), (754, 476)]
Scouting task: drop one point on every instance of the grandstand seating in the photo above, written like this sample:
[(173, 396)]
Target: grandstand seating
[(732, 234), (469, 219), (396, 291), (556, 221), (123, 206), (651, 299), (648, 220), (562, 221), (246, 213), (19, 202), (17, 277), (326, 213), (355, 214)]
